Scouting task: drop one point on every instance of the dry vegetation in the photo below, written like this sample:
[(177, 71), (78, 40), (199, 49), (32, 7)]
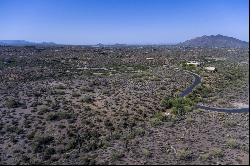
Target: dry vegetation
[(76, 105)]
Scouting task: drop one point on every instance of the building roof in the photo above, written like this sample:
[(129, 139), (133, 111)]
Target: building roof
[(193, 63), (210, 68)]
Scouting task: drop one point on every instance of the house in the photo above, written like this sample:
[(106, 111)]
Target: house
[(210, 68), (193, 63)]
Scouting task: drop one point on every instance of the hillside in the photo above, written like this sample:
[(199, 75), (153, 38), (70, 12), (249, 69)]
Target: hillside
[(215, 41)]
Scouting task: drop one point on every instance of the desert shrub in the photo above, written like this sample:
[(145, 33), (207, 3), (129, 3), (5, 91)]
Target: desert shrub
[(58, 92), (184, 154), (216, 153), (87, 108), (44, 140), (61, 126), (88, 160), (116, 135), (53, 116), (14, 129), (13, 139), (232, 143), (92, 144), (230, 123), (155, 121), (37, 94), (166, 103), (244, 147), (60, 116), (31, 135), (35, 161), (76, 94), (87, 89), (40, 142), (189, 119), (158, 118), (202, 91), (204, 157), (42, 109), (140, 131), (105, 142), (55, 106), (60, 86), (50, 151), (116, 155), (25, 158), (87, 99), (146, 153), (12, 103), (106, 92), (178, 105), (36, 103), (72, 144), (197, 111)]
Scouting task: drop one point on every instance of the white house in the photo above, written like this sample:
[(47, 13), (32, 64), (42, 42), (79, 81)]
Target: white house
[(193, 63), (210, 68)]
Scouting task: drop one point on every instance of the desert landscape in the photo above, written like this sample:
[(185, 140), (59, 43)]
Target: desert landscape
[(120, 105)]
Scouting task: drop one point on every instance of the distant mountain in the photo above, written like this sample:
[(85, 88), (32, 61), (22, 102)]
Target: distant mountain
[(219, 41), (24, 43)]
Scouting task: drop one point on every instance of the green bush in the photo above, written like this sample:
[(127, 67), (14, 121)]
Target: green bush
[(146, 153), (216, 153), (166, 103), (155, 122), (232, 144), (178, 105)]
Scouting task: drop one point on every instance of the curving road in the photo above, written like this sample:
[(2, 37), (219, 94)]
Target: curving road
[(197, 81)]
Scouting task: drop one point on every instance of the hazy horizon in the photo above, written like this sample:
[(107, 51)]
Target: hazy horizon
[(124, 21)]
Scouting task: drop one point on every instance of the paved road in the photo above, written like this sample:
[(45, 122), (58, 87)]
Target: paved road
[(197, 81)]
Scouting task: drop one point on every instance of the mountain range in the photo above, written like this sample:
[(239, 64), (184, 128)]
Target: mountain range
[(211, 41), (24, 43)]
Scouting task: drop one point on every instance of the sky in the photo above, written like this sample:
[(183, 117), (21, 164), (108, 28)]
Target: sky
[(122, 21)]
